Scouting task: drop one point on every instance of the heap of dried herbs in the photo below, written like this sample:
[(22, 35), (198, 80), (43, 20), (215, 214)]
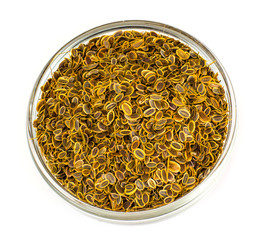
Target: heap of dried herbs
[(131, 121)]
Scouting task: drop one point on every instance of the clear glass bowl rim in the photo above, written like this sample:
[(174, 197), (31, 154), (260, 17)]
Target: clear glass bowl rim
[(182, 202)]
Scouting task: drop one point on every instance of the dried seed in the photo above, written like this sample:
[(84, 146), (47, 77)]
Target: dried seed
[(137, 44), (179, 88), (191, 126), (155, 97), (164, 176), (152, 183), (176, 187), (111, 178), (183, 112), (205, 79), (139, 184), (139, 153), (200, 88), (149, 112), (94, 152), (145, 198), (217, 118), (86, 109), (174, 167), (168, 200), (62, 110), (110, 116), (126, 108), (182, 54), (119, 175), (119, 97)]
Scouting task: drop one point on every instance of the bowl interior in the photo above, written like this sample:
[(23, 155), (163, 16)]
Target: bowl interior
[(109, 29)]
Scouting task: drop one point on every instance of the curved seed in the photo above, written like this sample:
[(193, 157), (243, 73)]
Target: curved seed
[(217, 118), (206, 79), (139, 153), (119, 175), (182, 54), (145, 198), (137, 44), (174, 167), (111, 178), (139, 184), (156, 97), (164, 176), (152, 183), (126, 108), (177, 146), (149, 112), (176, 187), (191, 126), (183, 112), (94, 152), (168, 200), (62, 110)]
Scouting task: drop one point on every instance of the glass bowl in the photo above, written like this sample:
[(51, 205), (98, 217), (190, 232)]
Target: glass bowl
[(107, 29)]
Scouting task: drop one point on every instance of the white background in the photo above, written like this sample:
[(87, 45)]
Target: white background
[(32, 31)]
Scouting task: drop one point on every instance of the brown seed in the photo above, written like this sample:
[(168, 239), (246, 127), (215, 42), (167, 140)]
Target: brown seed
[(172, 152), (182, 54), (94, 152), (205, 79), (200, 88), (179, 88), (86, 109), (182, 136), (152, 183), (164, 175), (137, 44), (111, 178), (103, 184), (62, 110), (119, 175), (155, 97), (168, 200), (174, 167), (177, 146), (135, 144), (176, 187), (217, 118), (203, 117), (119, 97), (110, 116), (139, 184), (139, 153), (149, 112), (177, 102), (159, 86), (183, 112), (145, 198), (126, 108)]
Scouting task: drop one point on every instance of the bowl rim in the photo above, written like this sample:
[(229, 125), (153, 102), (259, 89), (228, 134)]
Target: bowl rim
[(143, 215)]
